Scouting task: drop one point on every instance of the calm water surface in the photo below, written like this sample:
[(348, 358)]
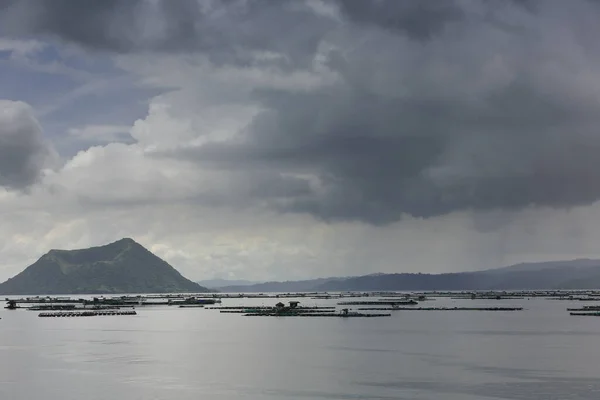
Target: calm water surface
[(174, 353)]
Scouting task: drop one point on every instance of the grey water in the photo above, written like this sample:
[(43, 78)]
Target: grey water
[(178, 353)]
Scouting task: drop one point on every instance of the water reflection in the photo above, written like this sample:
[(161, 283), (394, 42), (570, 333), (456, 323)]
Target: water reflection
[(539, 353)]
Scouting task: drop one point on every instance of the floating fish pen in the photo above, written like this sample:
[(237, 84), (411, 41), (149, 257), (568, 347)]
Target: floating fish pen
[(492, 297), (102, 307), (124, 302), (443, 309), (504, 294), (116, 303), (193, 301), (279, 308), (45, 300), (86, 313), (311, 295), (52, 307), (378, 303), (583, 299), (268, 310), (181, 295), (340, 315), (398, 298), (586, 314), (259, 295)]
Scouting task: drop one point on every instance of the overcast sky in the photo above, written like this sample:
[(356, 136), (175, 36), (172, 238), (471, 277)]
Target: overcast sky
[(286, 139)]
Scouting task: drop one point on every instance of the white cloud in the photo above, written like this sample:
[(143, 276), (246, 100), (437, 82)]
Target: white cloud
[(101, 133), (204, 241), (20, 48)]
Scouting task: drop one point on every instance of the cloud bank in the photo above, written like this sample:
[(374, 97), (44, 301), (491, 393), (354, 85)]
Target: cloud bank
[(375, 113), (23, 151)]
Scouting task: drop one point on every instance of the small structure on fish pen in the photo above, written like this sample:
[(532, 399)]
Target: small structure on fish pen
[(11, 305)]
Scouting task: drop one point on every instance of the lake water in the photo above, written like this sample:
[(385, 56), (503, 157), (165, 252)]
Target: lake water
[(541, 353)]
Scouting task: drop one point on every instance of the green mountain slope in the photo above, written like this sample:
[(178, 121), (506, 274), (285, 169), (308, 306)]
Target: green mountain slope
[(120, 267)]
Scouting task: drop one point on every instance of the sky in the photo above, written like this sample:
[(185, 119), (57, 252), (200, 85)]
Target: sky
[(292, 139)]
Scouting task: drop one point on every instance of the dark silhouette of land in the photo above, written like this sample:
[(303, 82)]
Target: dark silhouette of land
[(574, 274), (124, 266)]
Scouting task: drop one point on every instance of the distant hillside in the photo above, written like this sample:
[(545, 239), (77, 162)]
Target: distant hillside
[(538, 266), (120, 267), (288, 286), (218, 283), (575, 274)]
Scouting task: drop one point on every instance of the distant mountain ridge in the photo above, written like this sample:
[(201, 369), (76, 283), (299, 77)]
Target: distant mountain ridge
[(574, 274), (123, 266), (287, 286), (217, 283)]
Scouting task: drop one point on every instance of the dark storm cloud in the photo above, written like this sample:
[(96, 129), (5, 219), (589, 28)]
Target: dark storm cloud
[(379, 158), (418, 19), (438, 106), (423, 124), (114, 25), (226, 30), (23, 151)]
